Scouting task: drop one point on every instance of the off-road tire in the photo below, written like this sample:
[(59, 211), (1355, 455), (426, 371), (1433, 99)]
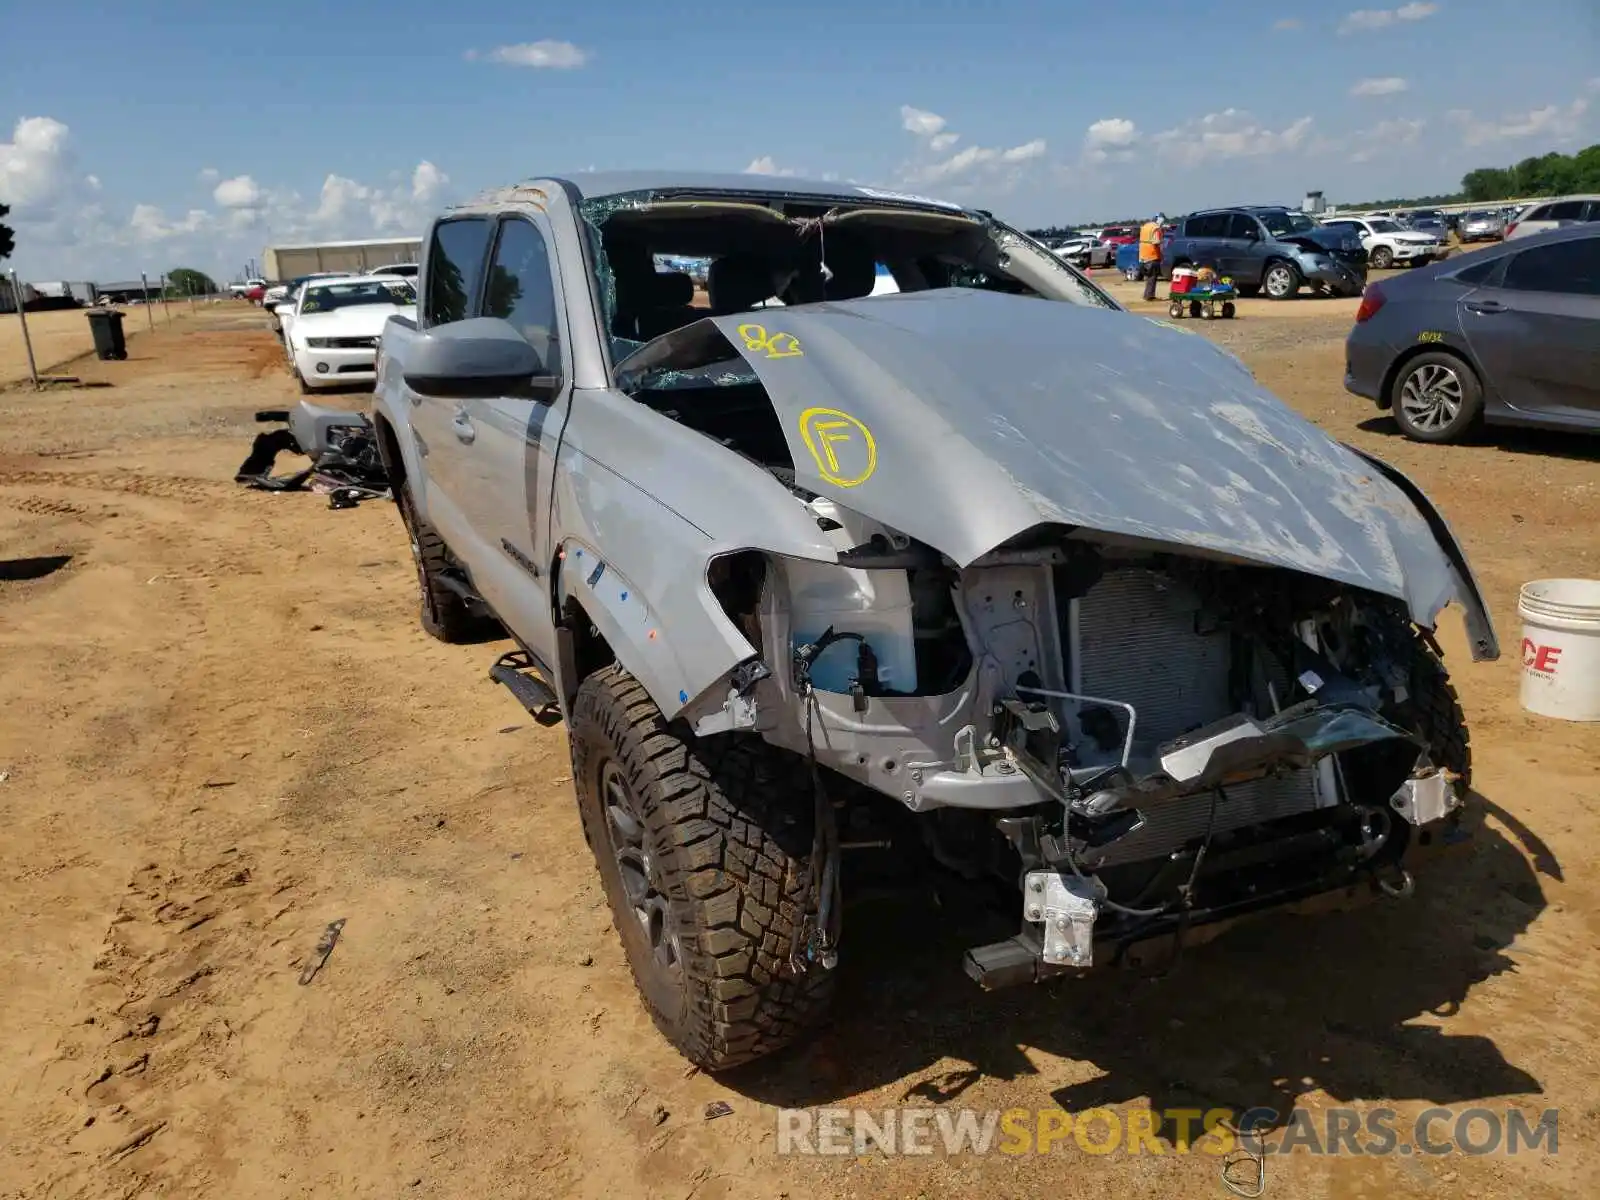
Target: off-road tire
[(1276, 268), (728, 829), (442, 613), (1432, 709), (1381, 259)]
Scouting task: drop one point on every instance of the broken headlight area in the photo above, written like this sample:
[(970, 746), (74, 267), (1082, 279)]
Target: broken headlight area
[(346, 464), (1145, 742)]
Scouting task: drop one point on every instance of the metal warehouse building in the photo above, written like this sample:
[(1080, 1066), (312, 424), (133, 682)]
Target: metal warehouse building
[(290, 262)]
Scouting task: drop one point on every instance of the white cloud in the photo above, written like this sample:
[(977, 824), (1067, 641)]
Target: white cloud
[(1387, 85), (1112, 131), (1553, 122), (920, 122), (767, 165), (966, 161), (36, 167), (149, 224), (1232, 133), (1022, 153), (239, 192), (546, 53), (1367, 20), (209, 175), (940, 142), (1394, 133), (92, 182)]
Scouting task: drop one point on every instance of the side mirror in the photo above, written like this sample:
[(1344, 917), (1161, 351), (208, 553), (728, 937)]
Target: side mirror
[(477, 359)]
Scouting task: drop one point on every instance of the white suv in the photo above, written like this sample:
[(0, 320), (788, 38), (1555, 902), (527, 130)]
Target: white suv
[(1553, 214), (1388, 243)]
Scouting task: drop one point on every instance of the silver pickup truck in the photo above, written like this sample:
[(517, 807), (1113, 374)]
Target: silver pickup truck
[(986, 578)]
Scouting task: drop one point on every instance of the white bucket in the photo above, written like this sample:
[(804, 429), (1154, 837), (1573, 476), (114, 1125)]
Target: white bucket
[(1561, 648)]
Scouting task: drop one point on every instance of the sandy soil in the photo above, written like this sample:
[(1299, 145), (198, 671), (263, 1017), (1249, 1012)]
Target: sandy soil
[(224, 730), (64, 335)]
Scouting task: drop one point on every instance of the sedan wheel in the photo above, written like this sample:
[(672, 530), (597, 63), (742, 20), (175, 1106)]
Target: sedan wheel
[(1382, 258), (1436, 398)]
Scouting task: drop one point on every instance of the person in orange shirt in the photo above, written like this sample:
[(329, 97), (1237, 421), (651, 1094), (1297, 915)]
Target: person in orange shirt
[(1150, 253)]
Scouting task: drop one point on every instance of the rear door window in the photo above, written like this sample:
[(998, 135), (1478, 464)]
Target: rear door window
[(455, 269), (1567, 210), (1207, 225), (1568, 268)]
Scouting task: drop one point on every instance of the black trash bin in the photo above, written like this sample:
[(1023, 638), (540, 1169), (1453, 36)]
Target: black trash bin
[(106, 325)]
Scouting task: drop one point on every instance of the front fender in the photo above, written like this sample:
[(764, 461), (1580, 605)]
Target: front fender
[(1480, 625)]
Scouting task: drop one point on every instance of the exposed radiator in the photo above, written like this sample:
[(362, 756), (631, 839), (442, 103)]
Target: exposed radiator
[(1138, 642)]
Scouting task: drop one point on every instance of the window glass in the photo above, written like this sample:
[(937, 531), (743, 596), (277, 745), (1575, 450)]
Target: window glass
[(522, 291), (1206, 226), (1567, 210), (1284, 224), (1243, 225), (326, 297), (455, 268), (1572, 268), (1593, 213), (1478, 272)]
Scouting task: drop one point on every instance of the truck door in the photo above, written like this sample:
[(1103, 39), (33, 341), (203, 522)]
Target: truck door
[(512, 455), (452, 279)]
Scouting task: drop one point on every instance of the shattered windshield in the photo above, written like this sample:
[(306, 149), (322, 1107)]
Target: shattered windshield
[(1286, 224), (664, 260)]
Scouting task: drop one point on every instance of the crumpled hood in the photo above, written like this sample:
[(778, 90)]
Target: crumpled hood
[(1331, 238), (964, 418)]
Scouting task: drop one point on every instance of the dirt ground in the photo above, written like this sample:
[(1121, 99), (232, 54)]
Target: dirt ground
[(63, 335), (224, 730)]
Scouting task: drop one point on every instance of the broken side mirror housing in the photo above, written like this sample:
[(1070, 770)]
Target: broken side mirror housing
[(477, 359)]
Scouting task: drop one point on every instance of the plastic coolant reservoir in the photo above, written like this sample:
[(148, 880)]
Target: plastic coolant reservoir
[(875, 604)]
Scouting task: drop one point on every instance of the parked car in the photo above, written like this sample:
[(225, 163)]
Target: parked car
[(1274, 250), (1570, 210), (1507, 336), (278, 294), (1119, 235), (1483, 225), (1388, 244), (1164, 622), (333, 334), (1083, 251)]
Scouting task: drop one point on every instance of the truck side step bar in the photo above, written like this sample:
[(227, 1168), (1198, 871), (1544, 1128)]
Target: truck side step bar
[(515, 669)]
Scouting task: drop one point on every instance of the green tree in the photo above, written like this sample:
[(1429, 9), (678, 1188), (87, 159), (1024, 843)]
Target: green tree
[(7, 242), (186, 281), (1487, 183)]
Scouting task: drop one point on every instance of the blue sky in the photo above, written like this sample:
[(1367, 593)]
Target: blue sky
[(149, 135)]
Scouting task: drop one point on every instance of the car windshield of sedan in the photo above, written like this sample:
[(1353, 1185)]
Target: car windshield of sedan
[(328, 297), (1282, 224)]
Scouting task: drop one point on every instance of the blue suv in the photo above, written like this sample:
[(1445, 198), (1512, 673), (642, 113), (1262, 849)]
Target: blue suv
[(1274, 250)]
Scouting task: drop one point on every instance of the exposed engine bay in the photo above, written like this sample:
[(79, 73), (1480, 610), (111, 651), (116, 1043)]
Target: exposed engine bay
[(1140, 740)]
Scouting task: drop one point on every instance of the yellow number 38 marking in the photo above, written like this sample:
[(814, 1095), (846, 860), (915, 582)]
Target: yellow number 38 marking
[(773, 345)]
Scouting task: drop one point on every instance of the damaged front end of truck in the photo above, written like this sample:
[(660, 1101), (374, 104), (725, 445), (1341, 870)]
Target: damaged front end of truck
[(1142, 644)]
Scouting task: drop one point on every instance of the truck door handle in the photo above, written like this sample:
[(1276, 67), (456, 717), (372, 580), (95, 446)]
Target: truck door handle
[(1485, 306), (462, 426)]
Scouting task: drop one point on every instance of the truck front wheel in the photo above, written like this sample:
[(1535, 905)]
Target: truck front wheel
[(704, 847)]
